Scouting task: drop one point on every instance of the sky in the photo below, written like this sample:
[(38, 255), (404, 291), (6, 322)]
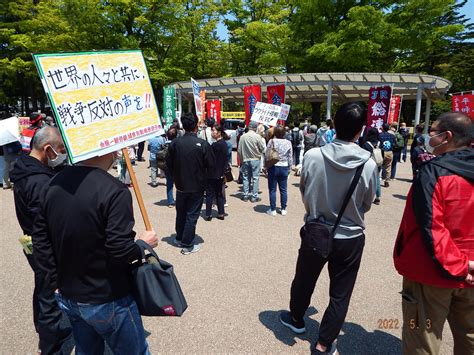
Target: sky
[(467, 10)]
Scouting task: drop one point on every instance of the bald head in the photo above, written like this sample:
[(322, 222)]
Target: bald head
[(47, 136), (460, 126)]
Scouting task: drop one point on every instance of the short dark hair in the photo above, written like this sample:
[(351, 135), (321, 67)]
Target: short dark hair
[(279, 132), (349, 120), (189, 121), (385, 127), (459, 124)]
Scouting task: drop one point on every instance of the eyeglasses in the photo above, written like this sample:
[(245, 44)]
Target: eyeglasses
[(435, 130)]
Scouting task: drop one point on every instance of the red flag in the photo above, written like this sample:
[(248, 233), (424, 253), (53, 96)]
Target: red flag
[(394, 111), (252, 94), (379, 104), (214, 110), (276, 94), (464, 104)]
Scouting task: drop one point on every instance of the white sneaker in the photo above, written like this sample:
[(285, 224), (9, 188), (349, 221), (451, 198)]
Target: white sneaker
[(226, 205), (195, 248), (271, 213), (283, 212)]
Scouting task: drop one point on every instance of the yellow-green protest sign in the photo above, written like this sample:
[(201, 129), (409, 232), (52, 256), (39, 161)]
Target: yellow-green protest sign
[(103, 101)]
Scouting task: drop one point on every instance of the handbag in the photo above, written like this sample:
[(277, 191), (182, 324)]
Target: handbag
[(376, 155), (318, 236), (155, 287), (228, 173), (273, 157)]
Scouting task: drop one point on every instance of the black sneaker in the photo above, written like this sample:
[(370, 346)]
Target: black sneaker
[(377, 201), (245, 198), (253, 200), (287, 320)]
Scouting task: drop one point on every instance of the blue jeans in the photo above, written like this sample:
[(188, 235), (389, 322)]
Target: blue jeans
[(117, 322), (296, 155), (278, 175), (396, 159), (250, 175), (169, 187), (188, 208), (378, 191)]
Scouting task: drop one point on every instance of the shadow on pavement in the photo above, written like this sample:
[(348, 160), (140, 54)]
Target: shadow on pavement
[(270, 319), (353, 338), (405, 180), (163, 202), (401, 197), (261, 208), (170, 240)]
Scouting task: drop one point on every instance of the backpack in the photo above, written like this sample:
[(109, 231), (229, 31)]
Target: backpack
[(376, 155), (161, 156), (399, 142), (330, 135), (295, 138)]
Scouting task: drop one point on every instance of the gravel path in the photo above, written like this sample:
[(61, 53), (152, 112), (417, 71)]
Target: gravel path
[(239, 281)]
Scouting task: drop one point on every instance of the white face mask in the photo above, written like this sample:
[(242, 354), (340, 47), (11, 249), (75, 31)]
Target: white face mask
[(60, 160), (429, 148)]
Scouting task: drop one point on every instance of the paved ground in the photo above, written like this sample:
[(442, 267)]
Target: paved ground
[(240, 280)]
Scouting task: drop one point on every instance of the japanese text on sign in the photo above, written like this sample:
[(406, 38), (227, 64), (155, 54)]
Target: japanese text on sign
[(267, 114)]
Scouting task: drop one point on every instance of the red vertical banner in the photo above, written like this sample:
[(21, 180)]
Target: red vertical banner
[(464, 104), (394, 111), (379, 105), (276, 94), (252, 94), (202, 95), (214, 110)]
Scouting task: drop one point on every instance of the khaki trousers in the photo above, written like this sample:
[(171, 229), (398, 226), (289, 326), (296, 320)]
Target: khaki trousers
[(425, 310), (387, 165)]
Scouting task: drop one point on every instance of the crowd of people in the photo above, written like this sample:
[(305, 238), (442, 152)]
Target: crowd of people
[(341, 168)]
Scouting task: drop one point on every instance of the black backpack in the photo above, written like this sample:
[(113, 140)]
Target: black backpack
[(295, 138), (161, 156)]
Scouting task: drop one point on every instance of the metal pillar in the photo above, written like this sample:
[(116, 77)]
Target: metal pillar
[(419, 93), (329, 101), (427, 114)]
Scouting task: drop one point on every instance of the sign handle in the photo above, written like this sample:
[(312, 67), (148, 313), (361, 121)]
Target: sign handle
[(136, 188)]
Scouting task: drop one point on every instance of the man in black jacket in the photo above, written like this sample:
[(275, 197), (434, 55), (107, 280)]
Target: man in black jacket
[(30, 175), (84, 242), (189, 160)]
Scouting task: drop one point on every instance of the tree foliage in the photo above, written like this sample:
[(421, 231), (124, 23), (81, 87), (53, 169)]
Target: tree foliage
[(179, 38)]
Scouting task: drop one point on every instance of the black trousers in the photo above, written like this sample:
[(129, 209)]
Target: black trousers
[(188, 208), (343, 266), (214, 190), (51, 323), (141, 148)]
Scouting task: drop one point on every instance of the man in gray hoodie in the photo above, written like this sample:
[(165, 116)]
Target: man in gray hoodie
[(327, 173)]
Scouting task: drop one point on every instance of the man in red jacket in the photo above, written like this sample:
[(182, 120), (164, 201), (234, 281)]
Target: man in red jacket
[(434, 251)]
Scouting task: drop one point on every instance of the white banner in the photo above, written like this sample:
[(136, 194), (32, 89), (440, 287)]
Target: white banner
[(267, 114), (197, 97), (285, 111)]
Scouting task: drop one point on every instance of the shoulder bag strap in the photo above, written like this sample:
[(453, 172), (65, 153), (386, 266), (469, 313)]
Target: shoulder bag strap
[(354, 182)]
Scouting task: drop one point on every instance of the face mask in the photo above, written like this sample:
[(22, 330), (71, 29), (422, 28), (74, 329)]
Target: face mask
[(429, 148), (60, 160)]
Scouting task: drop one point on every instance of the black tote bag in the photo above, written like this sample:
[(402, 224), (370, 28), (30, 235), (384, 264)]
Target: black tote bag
[(155, 287)]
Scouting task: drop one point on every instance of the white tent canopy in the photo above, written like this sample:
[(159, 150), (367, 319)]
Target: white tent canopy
[(320, 87)]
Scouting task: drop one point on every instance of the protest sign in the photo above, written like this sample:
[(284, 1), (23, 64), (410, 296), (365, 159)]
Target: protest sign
[(169, 106), (379, 102), (464, 103), (252, 94), (103, 101), (9, 130), (285, 111), (24, 122), (202, 96), (266, 113)]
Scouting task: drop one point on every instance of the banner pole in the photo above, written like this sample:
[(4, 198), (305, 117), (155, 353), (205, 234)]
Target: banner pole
[(136, 188)]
